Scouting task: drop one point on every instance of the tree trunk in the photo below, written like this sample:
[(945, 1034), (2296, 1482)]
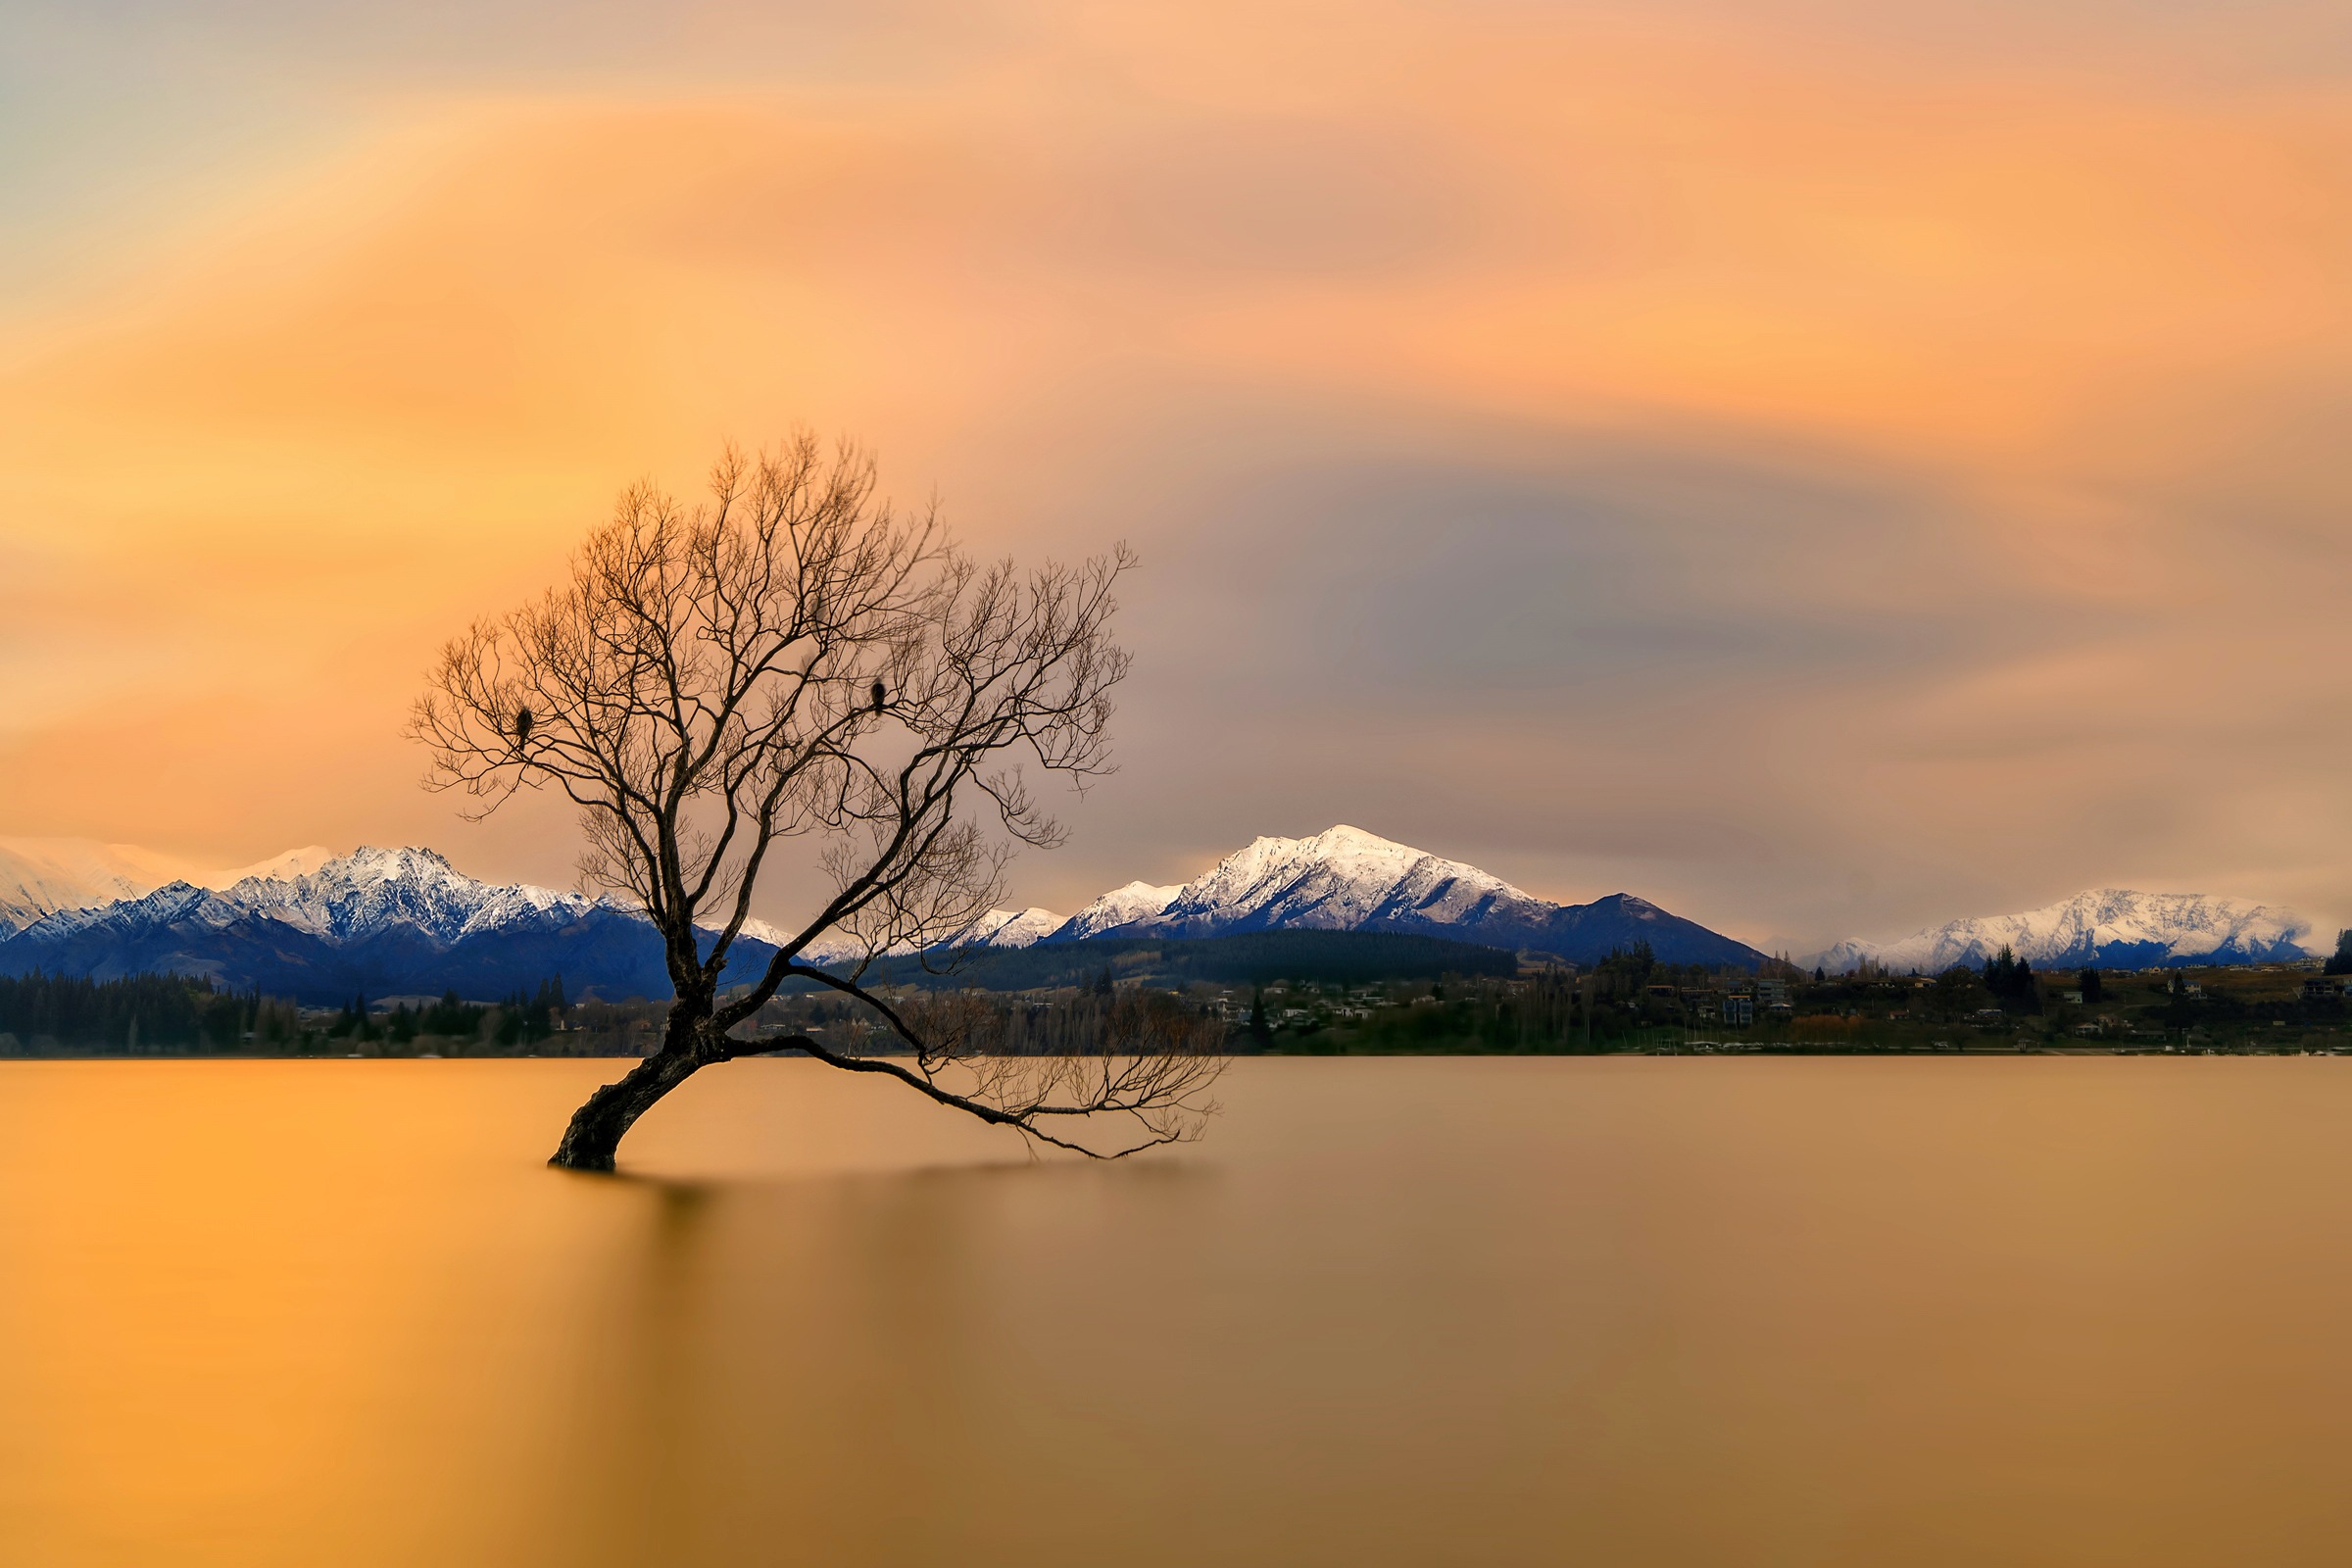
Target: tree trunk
[(597, 1127)]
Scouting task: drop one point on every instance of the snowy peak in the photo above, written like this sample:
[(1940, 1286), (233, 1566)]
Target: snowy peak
[(997, 928), (399, 916), (44, 877), (2105, 928), (377, 921), (40, 876), (293, 863), (343, 900), (1002, 928), (1342, 879), (371, 889), (1347, 879), (1137, 901)]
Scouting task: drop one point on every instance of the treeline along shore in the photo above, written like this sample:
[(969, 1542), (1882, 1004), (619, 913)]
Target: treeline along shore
[(1629, 1003), (174, 1015), (1288, 993)]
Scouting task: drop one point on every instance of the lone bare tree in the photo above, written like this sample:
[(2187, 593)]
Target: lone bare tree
[(790, 658)]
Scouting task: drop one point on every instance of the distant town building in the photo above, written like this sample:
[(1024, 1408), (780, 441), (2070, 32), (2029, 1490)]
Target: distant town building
[(1739, 1012)]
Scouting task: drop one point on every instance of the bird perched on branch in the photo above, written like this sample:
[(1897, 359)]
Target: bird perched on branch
[(881, 695)]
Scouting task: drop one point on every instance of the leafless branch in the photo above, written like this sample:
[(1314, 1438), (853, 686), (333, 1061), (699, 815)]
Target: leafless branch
[(793, 658)]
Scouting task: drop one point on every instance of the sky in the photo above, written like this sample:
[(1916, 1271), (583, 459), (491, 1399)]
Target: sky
[(1828, 468)]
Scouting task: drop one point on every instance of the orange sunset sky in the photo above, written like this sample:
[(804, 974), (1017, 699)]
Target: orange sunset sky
[(1828, 468)]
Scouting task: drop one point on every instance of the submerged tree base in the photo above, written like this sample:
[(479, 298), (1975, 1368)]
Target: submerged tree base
[(597, 1128), (1152, 1094)]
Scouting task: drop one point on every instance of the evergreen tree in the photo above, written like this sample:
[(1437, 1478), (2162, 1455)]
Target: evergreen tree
[(2341, 962), (2010, 979), (1260, 1031), (2093, 990), (1627, 970)]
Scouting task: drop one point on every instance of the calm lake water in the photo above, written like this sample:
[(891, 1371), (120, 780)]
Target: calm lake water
[(1642, 1311)]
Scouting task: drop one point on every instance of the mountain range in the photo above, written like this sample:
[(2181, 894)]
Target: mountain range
[(380, 922), (40, 876), (2107, 928), (1345, 879), (320, 927), (405, 921)]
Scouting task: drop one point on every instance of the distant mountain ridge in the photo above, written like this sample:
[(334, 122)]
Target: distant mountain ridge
[(41, 876), (1345, 879), (403, 921), (378, 922), (320, 927), (2108, 928)]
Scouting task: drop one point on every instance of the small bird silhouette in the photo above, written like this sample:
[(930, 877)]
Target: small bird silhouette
[(525, 718), (880, 695)]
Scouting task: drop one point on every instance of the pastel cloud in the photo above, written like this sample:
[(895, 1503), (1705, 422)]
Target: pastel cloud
[(1821, 476)]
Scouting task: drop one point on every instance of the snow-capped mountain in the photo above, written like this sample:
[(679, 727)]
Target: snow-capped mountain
[(293, 863), (318, 927), (2109, 928), (40, 876), (997, 928), (1002, 928), (400, 921), (370, 891), (1120, 907), (380, 922), (1345, 879), (351, 898)]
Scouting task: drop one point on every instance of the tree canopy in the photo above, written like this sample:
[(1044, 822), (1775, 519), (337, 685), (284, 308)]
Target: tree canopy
[(795, 658)]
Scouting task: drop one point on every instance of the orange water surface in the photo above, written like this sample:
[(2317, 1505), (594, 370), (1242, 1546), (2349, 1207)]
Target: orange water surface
[(1591, 1311)]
